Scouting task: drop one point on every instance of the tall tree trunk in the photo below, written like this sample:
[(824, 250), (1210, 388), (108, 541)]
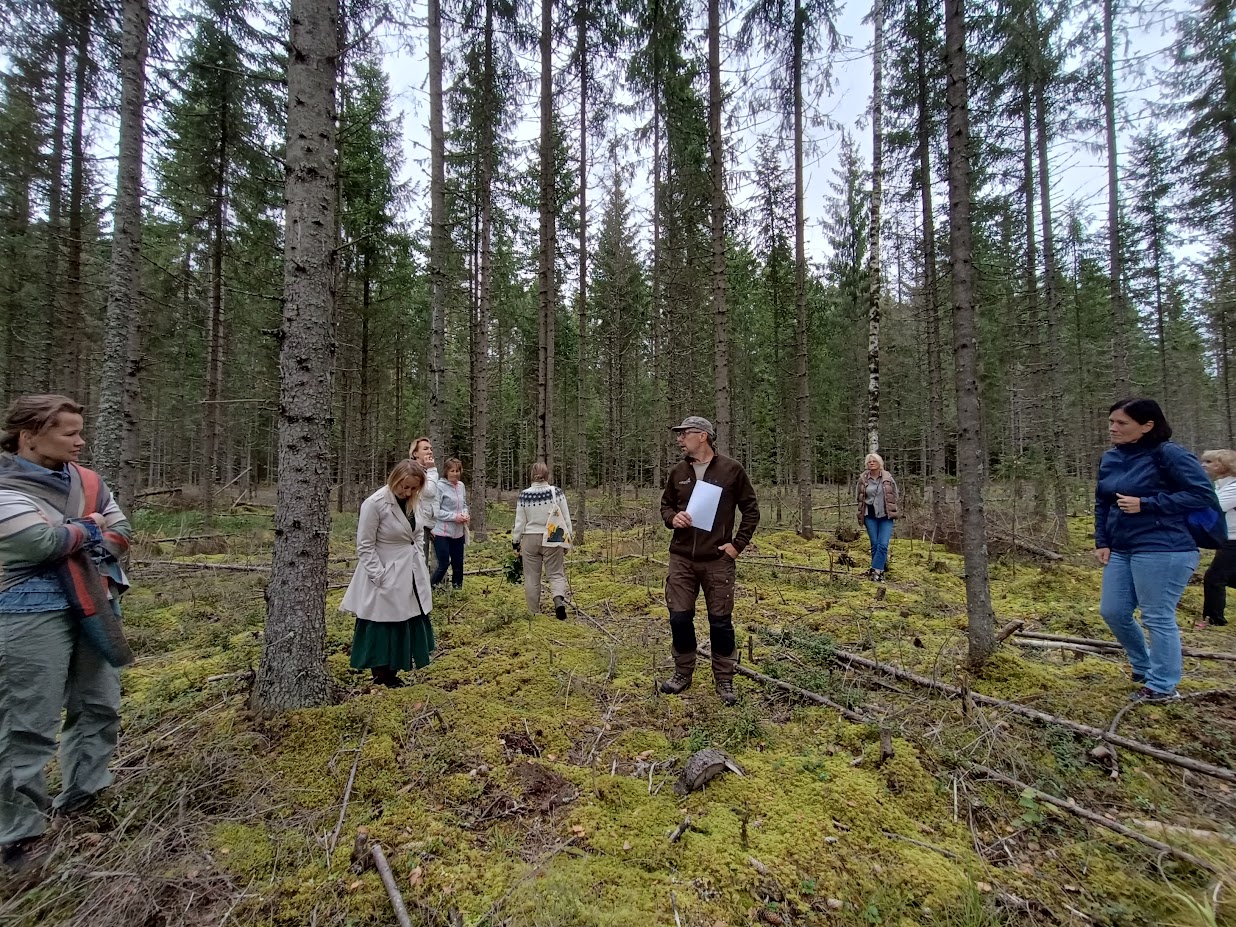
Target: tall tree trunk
[(1119, 322), (293, 669), (437, 229), (545, 321), (874, 281), (971, 449), (49, 370), (1052, 370), (581, 446), (806, 528), (212, 416), (115, 443), (716, 166), (70, 340), (480, 327), (1036, 386), (931, 283), (660, 436)]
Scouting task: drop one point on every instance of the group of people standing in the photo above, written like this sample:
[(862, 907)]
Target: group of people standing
[(391, 591), (63, 536)]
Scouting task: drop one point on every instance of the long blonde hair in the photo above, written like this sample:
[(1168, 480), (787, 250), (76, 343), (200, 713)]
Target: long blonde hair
[(407, 470)]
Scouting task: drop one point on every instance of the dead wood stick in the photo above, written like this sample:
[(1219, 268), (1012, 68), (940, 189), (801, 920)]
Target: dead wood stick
[(191, 565), (1191, 832), (1166, 756), (347, 794), (677, 832), (790, 687), (1060, 645), (1011, 628), (919, 843), (1094, 817), (1112, 645), (187, 537), (596, 624), (388, 879), (1025, 545)]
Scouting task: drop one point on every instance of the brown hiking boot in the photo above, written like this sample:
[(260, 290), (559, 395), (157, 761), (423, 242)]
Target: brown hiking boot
[(684, 667), (723, 677)]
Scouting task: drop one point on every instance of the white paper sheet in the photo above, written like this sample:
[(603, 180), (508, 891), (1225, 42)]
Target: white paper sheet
[(702, 506)]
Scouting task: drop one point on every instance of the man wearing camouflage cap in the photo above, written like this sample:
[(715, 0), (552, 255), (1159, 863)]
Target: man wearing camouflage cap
[(704, 559)]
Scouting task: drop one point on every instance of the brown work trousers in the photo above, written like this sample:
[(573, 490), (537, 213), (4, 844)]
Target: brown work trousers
[(687, 577)]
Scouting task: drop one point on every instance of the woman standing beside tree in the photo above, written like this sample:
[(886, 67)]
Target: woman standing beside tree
[(877, 509)]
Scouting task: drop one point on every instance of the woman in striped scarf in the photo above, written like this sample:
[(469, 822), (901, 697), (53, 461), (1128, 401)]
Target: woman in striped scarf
[(61, 534)]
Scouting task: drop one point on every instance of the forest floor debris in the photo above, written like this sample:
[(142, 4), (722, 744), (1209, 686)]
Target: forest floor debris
[(520, 778)]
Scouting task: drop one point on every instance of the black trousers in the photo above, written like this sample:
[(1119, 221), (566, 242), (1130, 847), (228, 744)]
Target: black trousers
[(1219, 576)]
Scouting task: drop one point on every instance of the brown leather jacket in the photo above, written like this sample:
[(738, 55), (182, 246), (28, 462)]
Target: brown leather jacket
[(736, 492), (891, 509)]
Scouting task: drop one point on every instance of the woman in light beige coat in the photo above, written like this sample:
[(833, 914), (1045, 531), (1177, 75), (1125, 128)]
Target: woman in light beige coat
[(389, 592)]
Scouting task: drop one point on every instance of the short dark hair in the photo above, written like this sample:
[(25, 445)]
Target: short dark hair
[(453, 463), (1143, 410), (34, 413)]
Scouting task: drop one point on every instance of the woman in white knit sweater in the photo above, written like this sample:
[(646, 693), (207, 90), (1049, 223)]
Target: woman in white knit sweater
[(542, 535)]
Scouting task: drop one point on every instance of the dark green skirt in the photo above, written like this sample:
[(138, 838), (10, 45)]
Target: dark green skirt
[(397, 644)]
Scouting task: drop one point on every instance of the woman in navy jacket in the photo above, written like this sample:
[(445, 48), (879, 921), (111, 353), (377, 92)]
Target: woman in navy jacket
[(1147, 486)]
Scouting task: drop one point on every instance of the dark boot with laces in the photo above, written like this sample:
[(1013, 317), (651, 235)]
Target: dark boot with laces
[(723, 676), (684, 668)]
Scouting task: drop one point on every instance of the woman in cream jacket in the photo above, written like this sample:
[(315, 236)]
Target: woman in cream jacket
[(389, 592)]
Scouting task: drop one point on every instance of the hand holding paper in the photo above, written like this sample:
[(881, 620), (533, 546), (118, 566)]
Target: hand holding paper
[(702, 506)]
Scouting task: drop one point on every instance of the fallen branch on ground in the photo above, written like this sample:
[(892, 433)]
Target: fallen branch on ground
[(347, 794), (1166, 756), (193, 565), (1193, 833), (1011, 628), (1112, 645), (846, 713), (1060, 645), (1093, 817), (1022, 544), (388, 879)]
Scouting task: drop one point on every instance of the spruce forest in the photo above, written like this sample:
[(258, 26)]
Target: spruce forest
[(268, 243)]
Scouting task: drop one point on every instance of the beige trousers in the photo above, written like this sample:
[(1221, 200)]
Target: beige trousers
[(536, 556)]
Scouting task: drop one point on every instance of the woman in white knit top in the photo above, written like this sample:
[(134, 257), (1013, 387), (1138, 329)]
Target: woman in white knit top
[(542, 535)]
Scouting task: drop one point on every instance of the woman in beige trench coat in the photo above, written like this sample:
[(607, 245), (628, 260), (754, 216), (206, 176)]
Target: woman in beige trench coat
[(389, 592)]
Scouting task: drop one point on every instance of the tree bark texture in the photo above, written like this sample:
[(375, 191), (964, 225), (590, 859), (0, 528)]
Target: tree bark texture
[(70, 322), (581, 446), (293, 671), (800, 290), (716, 166), (115, 442), (545, 320), (437, 230), (1120, 334), (874, 270), (971, 450)]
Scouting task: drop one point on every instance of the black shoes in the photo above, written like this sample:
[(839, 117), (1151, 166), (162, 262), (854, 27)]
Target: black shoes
[(560, 608), (25, 855), (385, 676)]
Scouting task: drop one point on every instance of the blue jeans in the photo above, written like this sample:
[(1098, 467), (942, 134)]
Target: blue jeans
[(1155, 581), (879, 532), (449, 551)]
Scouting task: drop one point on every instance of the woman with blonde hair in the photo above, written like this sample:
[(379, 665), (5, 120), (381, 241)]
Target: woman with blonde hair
[(1220, 466), (390, 592), (877, 508), (542, 535)]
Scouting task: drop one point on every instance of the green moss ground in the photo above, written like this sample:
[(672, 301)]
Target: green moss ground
[(526, 776)]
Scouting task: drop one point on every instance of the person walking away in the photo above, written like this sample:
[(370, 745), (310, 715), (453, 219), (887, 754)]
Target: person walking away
[(61, 539), (1146, 487), (450, 530), (877, 509), (542, 536), (702, 554), (1220, 466), (390, 592)]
